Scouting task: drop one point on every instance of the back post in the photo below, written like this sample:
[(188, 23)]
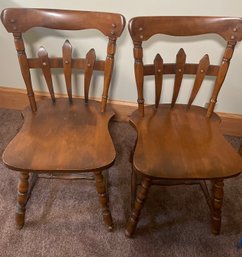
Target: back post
[(221, 75), (139, 74), (108, 69), (24, 67)]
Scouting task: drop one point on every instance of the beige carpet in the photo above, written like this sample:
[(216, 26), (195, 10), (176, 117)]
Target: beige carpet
[(64, 218)]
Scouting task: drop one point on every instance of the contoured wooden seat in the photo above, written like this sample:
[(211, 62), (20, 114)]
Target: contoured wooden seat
[(63, 135), (181, 143)]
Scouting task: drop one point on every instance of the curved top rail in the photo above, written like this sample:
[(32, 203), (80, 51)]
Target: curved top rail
[(142, 28), (23, 19)]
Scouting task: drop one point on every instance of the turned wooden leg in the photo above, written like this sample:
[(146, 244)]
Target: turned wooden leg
[(103, 198), (217, 205), (22, 198), (138, 205)]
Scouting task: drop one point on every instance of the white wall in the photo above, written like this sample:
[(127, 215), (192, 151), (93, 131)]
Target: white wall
[(124, 89)]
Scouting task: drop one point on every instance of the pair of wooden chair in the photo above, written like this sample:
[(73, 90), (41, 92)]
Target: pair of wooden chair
[(175, 142)]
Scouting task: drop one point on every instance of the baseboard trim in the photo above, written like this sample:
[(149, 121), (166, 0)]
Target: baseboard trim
[(231, 124), (11, 98)]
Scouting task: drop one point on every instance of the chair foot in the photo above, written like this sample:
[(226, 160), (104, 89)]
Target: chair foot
[(138, 205), (218, 194), (107, 218), (103, 199), (22, 199), (19, 218)]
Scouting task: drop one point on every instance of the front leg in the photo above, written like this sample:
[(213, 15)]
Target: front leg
[(217, 202), (138, 205), (103, 199), (22, 198)]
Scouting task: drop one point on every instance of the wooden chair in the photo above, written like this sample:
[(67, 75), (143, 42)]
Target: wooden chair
[(181, 143), (63, 135)]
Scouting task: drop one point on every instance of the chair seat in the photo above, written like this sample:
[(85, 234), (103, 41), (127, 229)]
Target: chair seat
[(182, 144), (62, 137)]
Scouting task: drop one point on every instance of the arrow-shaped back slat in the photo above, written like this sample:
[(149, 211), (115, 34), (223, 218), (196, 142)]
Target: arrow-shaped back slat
[(88, 71), (158, 64), (201, 73), (180, 64), (43, 56), (67, 64)]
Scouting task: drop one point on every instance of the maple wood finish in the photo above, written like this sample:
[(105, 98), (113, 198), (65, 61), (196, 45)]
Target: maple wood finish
[(63, 135), (181, 143)]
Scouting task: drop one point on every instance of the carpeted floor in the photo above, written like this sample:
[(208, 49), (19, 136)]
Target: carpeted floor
[(63, 218)]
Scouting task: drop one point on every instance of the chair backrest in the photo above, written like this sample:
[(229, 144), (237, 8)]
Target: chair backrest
[(143, 28), (19, 20)]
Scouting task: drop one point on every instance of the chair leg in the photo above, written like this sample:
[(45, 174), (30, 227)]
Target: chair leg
[(217, 205), (103, 198), (138, 205), (22, 198)]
